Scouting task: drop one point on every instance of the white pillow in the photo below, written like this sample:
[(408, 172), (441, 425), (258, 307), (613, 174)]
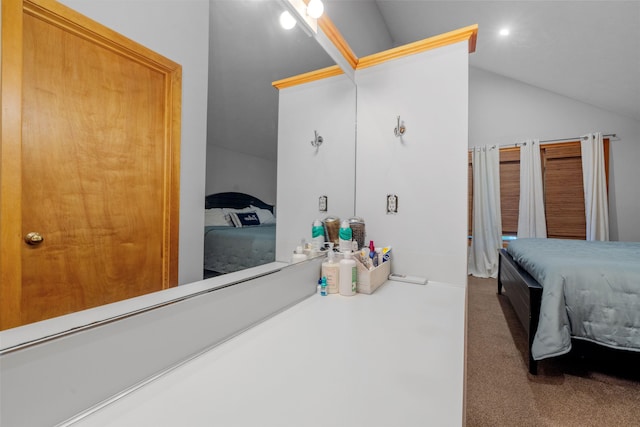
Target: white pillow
[(216, 217), (264, 215)]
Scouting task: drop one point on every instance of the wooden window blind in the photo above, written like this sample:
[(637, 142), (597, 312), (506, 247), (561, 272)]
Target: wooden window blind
[(563, 189), (509, 189)]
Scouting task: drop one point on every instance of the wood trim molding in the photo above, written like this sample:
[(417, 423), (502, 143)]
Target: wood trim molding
[(73, 22), (173, 159), (311, 76), (332, 33), (469, 33), (10, 169)]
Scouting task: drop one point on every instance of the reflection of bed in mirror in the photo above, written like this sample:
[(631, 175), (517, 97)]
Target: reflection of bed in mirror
[(239, 232)]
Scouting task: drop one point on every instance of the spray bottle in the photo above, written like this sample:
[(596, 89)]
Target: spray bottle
[(372, 254)]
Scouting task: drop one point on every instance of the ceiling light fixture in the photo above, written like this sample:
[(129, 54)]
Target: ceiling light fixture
[(287, 21), (297, 13), (504, 32), (315, 8)]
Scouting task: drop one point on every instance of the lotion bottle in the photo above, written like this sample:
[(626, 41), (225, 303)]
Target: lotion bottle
[(331, 270), (347, 275)]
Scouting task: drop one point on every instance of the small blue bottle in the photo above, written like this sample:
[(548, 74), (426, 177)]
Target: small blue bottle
[(323, 287)]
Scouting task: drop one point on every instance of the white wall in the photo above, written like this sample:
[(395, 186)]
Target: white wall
[(426, 169), (178, 30), (503, 111), (234, 171), (304, 173)]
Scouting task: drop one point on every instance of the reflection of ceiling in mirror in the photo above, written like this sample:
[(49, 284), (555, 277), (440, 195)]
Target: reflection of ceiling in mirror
[(249, 50)]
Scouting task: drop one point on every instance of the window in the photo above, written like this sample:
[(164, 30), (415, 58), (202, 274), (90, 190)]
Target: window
[(563, 189)]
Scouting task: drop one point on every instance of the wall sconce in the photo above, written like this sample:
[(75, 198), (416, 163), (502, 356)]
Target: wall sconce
[(400, 128), (317, 140)]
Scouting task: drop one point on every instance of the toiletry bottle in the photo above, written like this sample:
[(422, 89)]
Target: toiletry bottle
[(331, 270), (372, 254), (386, 253), (306, 248), (358, 233), (298, 255), (345, 235), (323, 287), (347, 275), (317, 235)]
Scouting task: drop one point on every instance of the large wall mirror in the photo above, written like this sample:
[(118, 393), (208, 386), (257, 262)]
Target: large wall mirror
[(248, 50)]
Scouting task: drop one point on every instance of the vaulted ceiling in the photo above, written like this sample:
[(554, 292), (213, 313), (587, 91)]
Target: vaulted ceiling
[(586, 50)]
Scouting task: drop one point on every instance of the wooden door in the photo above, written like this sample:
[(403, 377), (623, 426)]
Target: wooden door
[(89, 160)]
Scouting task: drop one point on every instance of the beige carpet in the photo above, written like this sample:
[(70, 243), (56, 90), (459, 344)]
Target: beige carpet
[(588, 387)]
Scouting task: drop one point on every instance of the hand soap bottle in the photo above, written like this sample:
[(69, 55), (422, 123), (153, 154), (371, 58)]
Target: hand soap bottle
[(347, 275), (331, 270)]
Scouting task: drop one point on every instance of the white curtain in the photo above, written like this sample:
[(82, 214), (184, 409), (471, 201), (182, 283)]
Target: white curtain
[(531, 219), (595, 187), (487, 221)]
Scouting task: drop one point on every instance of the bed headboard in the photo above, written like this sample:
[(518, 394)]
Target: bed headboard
[(234, 200)]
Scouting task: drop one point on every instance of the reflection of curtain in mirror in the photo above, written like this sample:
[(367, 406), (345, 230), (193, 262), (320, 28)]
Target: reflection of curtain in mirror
[(487, 220), (531, 217), (595, 187)]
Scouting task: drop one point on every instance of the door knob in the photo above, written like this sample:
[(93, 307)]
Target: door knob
[(33, 238)]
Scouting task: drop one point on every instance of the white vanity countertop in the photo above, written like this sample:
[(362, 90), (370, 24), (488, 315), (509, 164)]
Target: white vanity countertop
[(393, 358)]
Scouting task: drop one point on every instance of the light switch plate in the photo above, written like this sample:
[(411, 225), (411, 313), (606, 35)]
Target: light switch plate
[(392, 204)]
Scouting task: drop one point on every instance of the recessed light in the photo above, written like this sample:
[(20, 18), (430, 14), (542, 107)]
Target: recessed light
[(504, 32)]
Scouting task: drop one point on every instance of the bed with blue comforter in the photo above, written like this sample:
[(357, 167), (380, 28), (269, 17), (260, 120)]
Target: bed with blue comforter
[(229, 249), (588, 290), (239, 232)]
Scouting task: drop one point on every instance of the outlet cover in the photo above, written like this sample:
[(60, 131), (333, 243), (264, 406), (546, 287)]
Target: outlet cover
[(392, 204), (323, 202)]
